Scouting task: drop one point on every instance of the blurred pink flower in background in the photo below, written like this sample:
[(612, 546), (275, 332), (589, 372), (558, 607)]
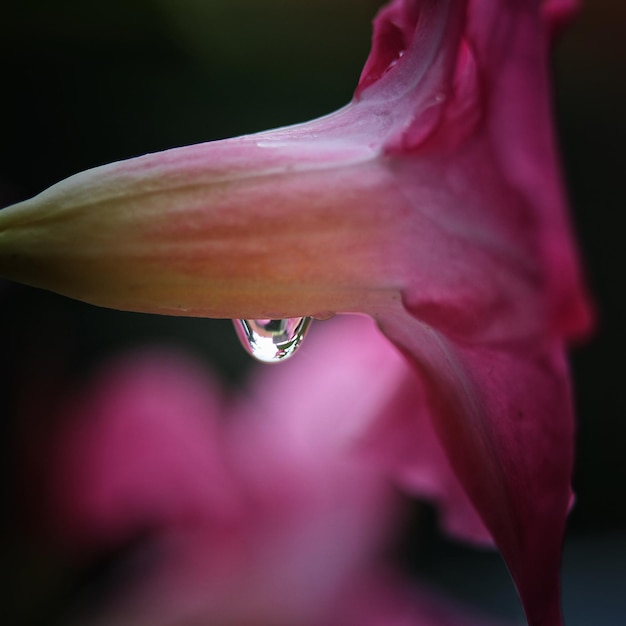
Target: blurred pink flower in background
[(273, 507)]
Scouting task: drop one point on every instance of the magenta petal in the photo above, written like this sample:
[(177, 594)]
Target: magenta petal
[(503, 415), (488, 336), (407, 75), (405, 440), (141, 448), (259, 510), (558, 13), (354, 393), (511, 42), (394, 28)]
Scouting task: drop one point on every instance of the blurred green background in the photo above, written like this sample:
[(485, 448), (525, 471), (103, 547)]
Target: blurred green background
[(87, 83)]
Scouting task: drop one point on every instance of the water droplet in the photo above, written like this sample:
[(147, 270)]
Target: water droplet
[(270, 340)]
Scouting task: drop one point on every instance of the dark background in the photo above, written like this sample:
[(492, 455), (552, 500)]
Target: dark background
[(87, 83)]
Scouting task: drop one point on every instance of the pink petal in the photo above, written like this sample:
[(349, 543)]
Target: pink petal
[(519, 131), (246, 518), (504, 417), (353, 392), (490, 335), (141, 447), (558, 13)]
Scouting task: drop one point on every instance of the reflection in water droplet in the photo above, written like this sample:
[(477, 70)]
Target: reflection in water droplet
[(271, 341)]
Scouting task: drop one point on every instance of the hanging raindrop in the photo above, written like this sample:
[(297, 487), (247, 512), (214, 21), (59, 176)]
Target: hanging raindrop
[(271, 341)]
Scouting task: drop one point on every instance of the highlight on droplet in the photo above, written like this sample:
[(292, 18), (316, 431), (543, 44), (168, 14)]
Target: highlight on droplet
[(272, 340)]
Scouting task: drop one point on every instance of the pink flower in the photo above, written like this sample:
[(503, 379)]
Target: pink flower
[(431, 202), (270, 510)]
